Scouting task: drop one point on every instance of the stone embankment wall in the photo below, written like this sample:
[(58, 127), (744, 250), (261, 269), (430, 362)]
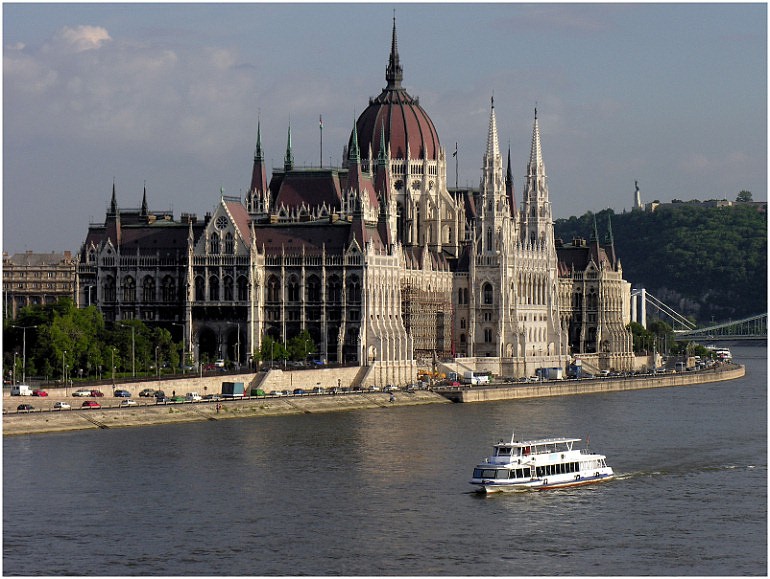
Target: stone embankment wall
[(149, 414), (570, 387)]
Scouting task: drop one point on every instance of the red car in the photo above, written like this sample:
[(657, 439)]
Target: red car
[(39, 393), (97, 393), (91, 404)]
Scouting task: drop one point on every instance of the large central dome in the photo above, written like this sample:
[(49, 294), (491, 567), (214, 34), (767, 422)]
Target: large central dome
[(407, 126)]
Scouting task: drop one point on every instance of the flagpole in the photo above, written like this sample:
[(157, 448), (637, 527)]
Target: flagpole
[(456, 164), (321, 129)]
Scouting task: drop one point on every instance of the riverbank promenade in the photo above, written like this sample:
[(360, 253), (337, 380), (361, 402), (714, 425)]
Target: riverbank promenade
[(148, 413)]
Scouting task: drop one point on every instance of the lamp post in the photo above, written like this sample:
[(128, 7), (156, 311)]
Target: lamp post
[(133, 349), (63, 376), (184, 348), (112, 353), (237, 343), (24, 352), (157, 366)]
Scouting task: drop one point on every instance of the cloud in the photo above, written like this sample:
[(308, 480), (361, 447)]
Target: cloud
[(82, 37), (83, 87)]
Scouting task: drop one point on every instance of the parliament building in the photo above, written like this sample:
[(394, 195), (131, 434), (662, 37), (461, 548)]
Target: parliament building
[(378, 259)]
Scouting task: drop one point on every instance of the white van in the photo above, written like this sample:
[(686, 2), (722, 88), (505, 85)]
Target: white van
[(193, 397), (21, 390)]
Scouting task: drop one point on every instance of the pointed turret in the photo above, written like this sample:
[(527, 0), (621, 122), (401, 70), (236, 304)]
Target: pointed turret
[(493, 149), (354, 162), (114, 201), (144, 211), (536, 223), (288, 161), (510, 191), (258, 190), (394, 74), (492, 199)]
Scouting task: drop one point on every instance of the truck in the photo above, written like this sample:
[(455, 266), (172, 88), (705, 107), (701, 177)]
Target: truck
[(232, 389), (21, 390), (475, 379), (550, 373)]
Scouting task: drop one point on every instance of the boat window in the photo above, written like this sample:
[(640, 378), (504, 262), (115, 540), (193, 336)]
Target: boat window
[(503, 450)]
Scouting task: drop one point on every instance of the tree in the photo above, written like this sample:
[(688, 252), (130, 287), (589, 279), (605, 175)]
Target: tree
[(301, 346), (272, 350), (744, 197)]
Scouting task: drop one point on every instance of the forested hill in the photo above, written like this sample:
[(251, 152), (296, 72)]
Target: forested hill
[(703, 261)]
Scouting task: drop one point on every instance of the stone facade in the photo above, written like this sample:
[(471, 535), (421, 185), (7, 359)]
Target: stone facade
[(378, 260), (36, 279)]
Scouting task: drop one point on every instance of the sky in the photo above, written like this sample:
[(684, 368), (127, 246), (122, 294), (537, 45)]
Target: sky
[(169, 96)]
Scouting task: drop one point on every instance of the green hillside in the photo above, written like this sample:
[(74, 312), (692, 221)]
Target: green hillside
[(705, 262)]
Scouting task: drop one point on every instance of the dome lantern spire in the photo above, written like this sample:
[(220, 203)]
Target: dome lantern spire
[(394, 74)]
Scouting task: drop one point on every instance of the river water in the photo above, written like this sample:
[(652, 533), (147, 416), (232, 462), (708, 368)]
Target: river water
[(385, 492)]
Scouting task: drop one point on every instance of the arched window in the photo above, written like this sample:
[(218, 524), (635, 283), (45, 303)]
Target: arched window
[(487, 293), (243, 289), (293, 289), (229, 245), (168, 289), (273, 289), (148, 289), (129, 289), (200, 289), (229, 288), (354, 289), (214, 288), (108, 288), (334, 289), (214, 243), (313, 289)]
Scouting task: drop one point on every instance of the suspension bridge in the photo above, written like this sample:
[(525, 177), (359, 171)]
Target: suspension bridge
[(751, 328)]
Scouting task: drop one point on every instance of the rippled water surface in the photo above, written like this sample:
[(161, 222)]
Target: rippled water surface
[(385, 492)]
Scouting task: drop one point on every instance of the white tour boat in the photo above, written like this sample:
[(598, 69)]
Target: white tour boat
[(547, 463)]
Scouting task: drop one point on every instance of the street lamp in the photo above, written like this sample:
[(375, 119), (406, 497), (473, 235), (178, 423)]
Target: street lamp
[(112, 352), (184, 348), (157, 367), (237, 343), (133, 349), (24, 352), (63, 376)]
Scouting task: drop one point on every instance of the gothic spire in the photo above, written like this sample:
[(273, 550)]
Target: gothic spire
[(288, 161), (536, 153), (509, 189), (258, 153), (144, 210), (493, 149), (354, 154), (394, 74), (114, 200)]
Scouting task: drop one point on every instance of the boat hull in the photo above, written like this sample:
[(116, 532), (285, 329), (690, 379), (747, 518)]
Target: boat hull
[(487, 487)]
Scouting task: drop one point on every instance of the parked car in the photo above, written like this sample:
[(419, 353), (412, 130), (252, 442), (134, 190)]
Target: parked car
[(122, 394), (40, 393), (61, 406), (91, 404), (193, 396), (25, 408), (160, 395), (212, 397), (299, 392), (219, 363), (146, 393), (81, 392), (177, 399), (127, 402), (318, 390), (96, 393)]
